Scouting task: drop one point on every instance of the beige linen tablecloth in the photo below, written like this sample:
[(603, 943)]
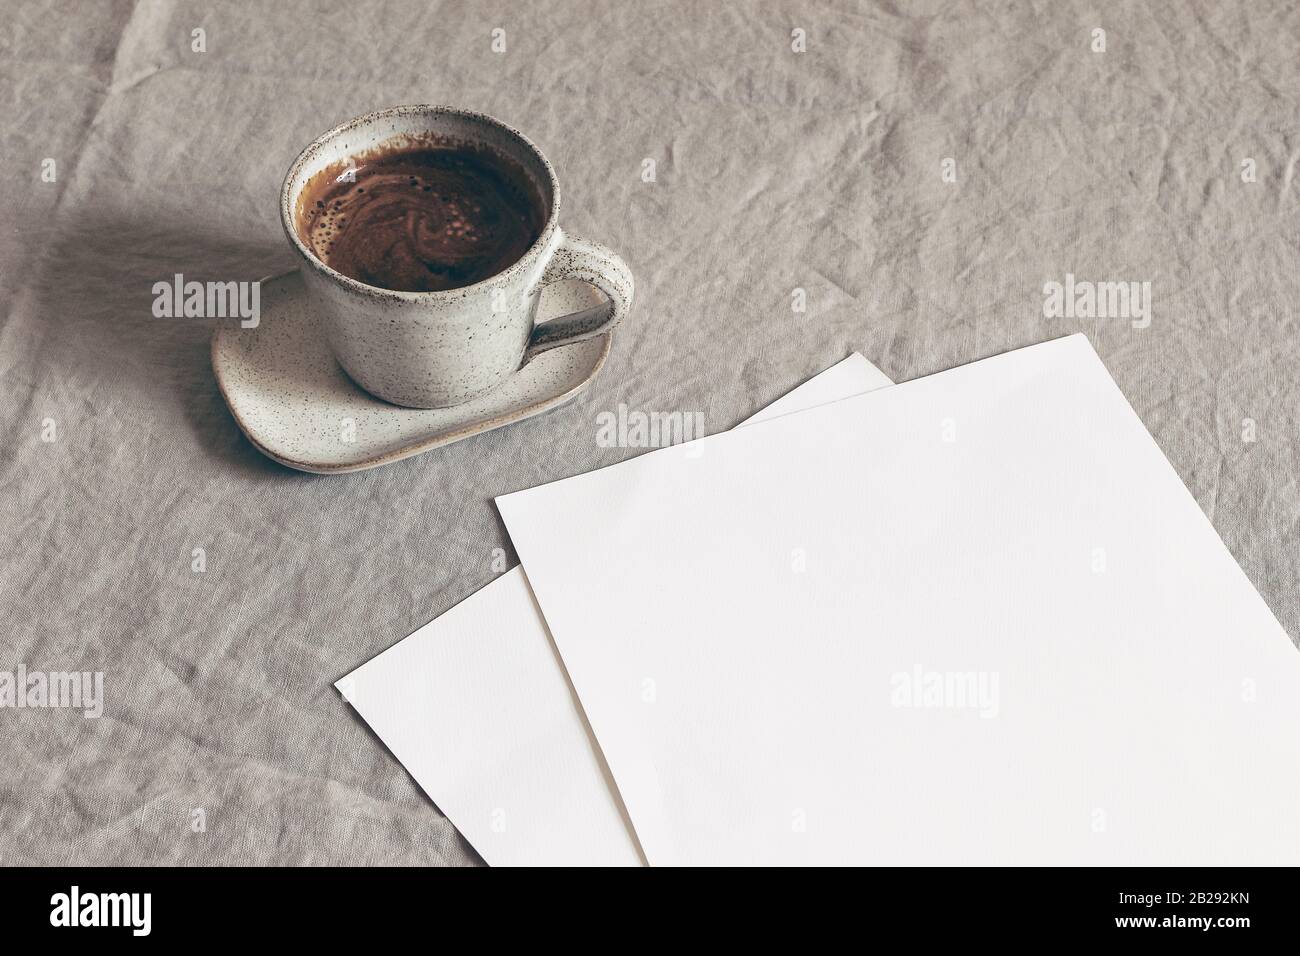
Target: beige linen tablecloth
[(920, 170)]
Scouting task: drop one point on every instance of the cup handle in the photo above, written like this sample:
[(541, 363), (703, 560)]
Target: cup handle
[(578, 258)]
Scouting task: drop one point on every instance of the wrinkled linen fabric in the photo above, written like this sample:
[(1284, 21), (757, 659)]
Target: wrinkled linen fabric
[(222, 740)]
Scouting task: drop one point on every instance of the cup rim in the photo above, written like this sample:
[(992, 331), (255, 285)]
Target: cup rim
[(286, 205)]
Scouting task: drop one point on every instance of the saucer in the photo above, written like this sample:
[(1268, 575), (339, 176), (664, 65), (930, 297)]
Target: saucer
[(289, 396)]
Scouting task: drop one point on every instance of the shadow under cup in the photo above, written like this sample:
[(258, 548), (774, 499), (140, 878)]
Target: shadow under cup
[(436, 348)]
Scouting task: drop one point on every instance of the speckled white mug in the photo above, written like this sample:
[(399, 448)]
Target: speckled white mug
[(436, 349)]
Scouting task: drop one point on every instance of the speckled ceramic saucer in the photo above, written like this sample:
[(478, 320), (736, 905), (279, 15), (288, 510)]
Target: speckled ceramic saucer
[(296, 405)]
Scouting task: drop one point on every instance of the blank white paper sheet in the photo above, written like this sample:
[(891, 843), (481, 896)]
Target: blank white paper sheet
[(971, 619), (477, 707)]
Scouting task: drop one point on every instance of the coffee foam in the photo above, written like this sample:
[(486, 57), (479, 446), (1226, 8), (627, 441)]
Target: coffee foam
[(420, 218)]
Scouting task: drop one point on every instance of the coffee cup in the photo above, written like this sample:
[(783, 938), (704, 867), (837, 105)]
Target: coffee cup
[(452, 334)]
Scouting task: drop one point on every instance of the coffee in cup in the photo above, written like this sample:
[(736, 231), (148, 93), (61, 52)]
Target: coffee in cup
[(426, 235), (420, 219)]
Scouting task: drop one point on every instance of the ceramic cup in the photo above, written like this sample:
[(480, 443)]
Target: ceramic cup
[(436, 349)]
